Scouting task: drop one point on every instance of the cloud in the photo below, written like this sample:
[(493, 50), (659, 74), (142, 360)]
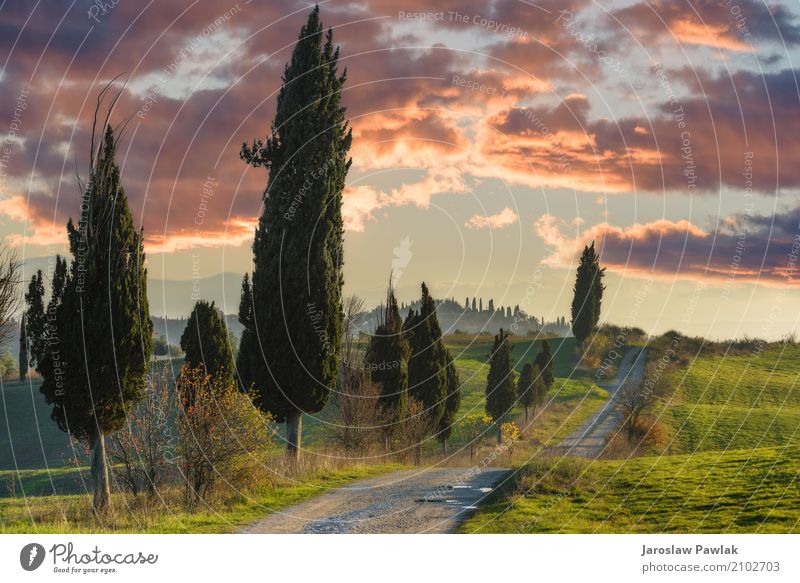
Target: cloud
[(743, 249), (504, 218), (718, 24)]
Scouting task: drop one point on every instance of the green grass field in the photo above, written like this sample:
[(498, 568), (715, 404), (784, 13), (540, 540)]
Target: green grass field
[(72, 513), (731, 402), (753, 490)]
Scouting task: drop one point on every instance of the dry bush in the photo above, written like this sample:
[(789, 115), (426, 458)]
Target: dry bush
[(648, 437), (360, 421), (634, 399), (413, 429), (223, 437), (142, 452)]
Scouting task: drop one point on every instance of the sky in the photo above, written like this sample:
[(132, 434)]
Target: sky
[(491, 142)]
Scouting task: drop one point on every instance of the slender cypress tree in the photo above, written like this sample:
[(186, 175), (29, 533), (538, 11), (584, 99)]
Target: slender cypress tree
[(386, 358), (538, 389), (544, 361), (588, 294), (244, 370), (94, 351), (525, 388), (206, 342), (296, 328), (35, 317), (501, 390), (23, 350), (452, 400), (427, 369)]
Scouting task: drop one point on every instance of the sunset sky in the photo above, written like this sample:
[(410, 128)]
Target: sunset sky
[(492, 140)]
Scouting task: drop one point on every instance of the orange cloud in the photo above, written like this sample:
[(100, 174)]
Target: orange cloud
[(502, 219)]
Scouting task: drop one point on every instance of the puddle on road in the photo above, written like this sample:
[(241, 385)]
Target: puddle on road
[(484, 490)]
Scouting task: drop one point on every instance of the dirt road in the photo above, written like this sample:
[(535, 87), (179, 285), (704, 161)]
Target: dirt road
[(424, 500), (433, 500), (589, 439)]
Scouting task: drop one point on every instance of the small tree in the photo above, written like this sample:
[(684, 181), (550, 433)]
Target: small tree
[(511, 435), (635, 398), (501, 390), (588, 294), (23, 350), (206, 342), (544, 360), (474, 428), (8, 366)]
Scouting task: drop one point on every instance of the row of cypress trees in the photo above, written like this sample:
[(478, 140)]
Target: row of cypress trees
[(503, 392)]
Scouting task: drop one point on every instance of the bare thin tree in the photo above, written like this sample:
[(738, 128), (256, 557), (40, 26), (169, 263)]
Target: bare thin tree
[(10, 277)]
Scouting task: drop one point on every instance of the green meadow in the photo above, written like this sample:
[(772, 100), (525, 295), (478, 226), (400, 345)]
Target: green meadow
[(731, 462)]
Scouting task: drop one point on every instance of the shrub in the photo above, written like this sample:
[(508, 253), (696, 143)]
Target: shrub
[(222, 436), (141, 452), (474, 428)]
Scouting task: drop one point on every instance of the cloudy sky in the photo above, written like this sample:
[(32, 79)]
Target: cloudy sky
[(492, 140)]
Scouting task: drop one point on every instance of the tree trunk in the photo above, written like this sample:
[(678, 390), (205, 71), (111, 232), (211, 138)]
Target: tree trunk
[(526, 415), (418, 454), (294, 435), (99, 469), (499, 435)]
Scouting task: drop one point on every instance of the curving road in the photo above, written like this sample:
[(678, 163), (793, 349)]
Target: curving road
[(433, 500), (589, 439)]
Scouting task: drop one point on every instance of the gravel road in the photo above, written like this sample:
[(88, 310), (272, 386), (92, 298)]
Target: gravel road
[(433, 500), (424, 500), (589, 439)]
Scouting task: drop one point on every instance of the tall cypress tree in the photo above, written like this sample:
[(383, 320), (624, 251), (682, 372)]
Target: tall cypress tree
[(23, 350), (94, 351), (587, 294), (206, 341), (544, 361), (386, 358), (296, 330), (427, 369), (501, 390)]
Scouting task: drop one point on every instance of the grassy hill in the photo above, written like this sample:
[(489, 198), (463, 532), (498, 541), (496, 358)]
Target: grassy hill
[(729, 402), (753, 490)]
